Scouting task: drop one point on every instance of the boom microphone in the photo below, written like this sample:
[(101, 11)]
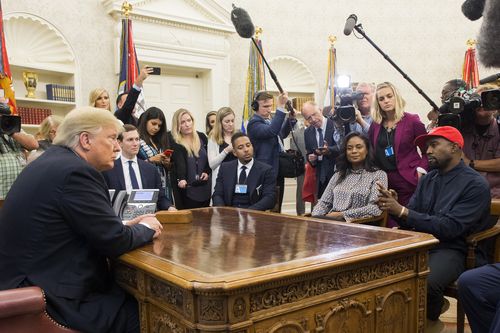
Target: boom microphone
[(473, 9), (349, 24), (491, 78), (242, 22)]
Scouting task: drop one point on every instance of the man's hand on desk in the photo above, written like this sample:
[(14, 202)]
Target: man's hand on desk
[(150, 221)]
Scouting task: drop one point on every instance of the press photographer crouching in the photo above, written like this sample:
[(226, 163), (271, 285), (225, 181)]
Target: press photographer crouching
[(13, 141), (474, 114)]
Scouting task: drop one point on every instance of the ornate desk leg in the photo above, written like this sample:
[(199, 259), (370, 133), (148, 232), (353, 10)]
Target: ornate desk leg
[(423, 271)]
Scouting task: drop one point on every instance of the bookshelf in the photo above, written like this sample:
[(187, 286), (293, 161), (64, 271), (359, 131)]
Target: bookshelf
[(34, 45)]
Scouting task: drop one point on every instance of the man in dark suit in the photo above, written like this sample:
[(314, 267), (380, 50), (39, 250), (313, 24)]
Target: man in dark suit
[(320, 146), (267, 134), (59, 236), (130, 172), (245, 182)]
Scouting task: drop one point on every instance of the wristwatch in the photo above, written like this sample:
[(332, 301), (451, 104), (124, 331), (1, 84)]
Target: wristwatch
[(471, 164)]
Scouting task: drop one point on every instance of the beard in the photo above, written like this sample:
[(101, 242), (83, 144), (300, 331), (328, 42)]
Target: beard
[(435, 163)]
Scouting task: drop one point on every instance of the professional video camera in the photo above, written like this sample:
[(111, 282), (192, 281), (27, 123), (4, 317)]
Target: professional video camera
[(344, 108), (8, 124), (460, 107)]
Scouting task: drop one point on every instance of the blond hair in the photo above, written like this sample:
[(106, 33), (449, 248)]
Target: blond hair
[(84, 119), (486, 86), (46, 126), (192, 144), (377, 114), (94, 95), (217, 133)]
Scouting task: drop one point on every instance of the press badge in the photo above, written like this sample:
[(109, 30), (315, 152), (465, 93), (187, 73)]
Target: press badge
[(240, 189), (389, 151)]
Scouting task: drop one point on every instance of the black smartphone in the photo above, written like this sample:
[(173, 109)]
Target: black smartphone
[(156, 71)]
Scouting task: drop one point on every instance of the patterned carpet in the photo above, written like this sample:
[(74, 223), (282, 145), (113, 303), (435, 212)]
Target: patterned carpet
[(449, 318)]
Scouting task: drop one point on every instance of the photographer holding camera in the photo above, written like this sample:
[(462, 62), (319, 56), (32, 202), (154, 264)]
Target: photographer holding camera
[(353, 113), (12, 143), (482, 144)]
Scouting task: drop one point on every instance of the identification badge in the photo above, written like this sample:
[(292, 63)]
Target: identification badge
[(240, 189), (389, 151)]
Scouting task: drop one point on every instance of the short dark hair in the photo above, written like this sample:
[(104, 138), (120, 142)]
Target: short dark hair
[(263, 95), (236, 136), (120, 97), (126, 128)]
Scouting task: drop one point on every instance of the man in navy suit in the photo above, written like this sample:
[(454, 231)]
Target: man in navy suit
[(267, 134), (320, 146), (245, 182), (59, 236), (130, 172)]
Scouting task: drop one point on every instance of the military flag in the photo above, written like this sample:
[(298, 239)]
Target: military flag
[(5, 73), (331, 75), (470, 73), (256, 78)]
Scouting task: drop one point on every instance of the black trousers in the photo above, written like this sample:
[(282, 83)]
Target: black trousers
[(127, 320), (445, 266)]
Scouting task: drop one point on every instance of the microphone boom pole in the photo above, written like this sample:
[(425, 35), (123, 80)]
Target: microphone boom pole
[(273, 76), (359, 28)]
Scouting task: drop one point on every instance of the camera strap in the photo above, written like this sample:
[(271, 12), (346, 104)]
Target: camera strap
[(293, 136)]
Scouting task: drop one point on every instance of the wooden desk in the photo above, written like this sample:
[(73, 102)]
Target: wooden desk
[(243, 271)]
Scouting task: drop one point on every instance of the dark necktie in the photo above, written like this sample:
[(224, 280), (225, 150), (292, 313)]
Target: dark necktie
[(321, 140), (133, 178), (243, 175)]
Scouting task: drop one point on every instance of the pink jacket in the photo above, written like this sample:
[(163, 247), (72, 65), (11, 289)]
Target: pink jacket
[(407, 157)]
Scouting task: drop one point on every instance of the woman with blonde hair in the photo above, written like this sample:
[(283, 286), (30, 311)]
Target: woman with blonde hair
[(99, 98), (190, 178), (392, 134), (45, 135), (219, 143)]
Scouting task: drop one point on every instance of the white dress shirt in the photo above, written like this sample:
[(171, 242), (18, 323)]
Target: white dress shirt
[(126, 174), (248, 168)]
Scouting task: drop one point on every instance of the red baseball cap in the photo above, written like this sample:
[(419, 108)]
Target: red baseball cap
[(448, 132)]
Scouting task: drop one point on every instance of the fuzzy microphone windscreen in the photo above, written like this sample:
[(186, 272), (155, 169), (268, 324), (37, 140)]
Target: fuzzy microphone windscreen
[(488, 41)]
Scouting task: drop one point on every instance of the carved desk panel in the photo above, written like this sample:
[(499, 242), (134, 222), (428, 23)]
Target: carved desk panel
[(243, 271)]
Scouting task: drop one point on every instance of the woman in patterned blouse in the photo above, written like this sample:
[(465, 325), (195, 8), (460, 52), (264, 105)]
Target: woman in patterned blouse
[(352, 192)]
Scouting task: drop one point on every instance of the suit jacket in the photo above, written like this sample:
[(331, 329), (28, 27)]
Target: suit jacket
[(407, 157), (57, 228), (328, 163), (264, 137), (150, 178), (261, 175), (125, 113)]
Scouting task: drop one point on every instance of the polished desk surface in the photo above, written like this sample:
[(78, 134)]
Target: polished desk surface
[(226, 248)]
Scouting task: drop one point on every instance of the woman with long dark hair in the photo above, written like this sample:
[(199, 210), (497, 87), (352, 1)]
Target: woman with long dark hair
[(352, 192), (154, 141)]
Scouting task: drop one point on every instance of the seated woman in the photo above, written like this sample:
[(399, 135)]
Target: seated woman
[(352, 192)]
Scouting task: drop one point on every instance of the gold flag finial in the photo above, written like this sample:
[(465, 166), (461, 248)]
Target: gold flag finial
[(471, 43), (258, 31), (332, 39), (126, 8)]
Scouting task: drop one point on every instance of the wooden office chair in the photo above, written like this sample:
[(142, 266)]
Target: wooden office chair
[(379, 221), (22, 310), (473, 241)]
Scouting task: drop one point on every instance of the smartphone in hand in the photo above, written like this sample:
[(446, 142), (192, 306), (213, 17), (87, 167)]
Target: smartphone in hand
[(156, 71)]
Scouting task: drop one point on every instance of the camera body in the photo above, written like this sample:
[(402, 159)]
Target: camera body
[(345, 112), (462, 105), (8, 124)]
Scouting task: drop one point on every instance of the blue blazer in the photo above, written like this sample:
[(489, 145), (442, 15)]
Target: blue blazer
[(261, 177), (264, 137), (57, 228), (328, 163), (150, 178)]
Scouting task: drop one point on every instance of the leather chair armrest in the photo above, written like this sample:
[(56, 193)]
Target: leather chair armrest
[(21, 301)]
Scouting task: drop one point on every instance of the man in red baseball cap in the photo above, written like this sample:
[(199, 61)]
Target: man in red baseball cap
[(451, 202)]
